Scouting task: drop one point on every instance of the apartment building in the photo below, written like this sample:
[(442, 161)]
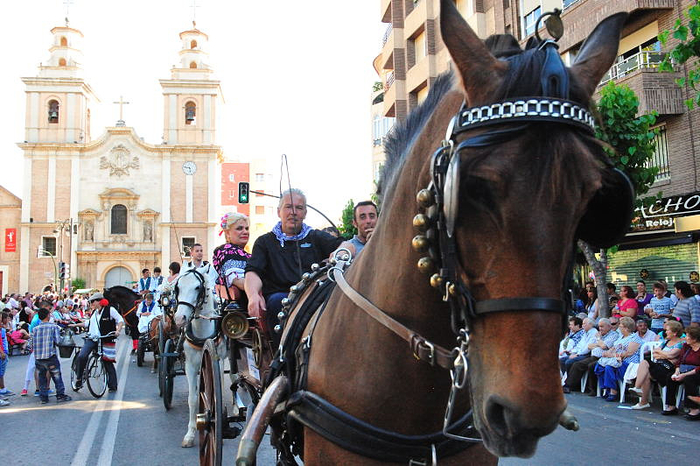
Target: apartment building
[(663, 242)]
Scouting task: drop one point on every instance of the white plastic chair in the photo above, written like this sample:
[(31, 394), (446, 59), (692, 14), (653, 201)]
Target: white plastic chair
[(631, 371)]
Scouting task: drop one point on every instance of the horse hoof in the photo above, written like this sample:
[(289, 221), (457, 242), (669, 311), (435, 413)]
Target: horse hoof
[(187, 443)]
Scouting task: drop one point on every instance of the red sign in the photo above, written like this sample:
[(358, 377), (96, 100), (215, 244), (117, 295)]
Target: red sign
[(10, 239)]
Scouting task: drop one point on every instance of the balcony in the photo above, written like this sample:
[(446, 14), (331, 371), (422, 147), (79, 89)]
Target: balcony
[(656, 91), (389, 81), (416, 18), (386, 11), (580, 16), (387, 33)]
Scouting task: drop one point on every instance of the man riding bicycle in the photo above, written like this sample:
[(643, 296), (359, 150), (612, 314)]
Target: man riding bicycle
[(104, 319)]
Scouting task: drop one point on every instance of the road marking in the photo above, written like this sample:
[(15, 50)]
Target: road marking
[(83, 453), (107, 450)]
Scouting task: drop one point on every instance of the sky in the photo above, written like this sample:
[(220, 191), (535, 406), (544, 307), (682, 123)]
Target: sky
[(296, 78)]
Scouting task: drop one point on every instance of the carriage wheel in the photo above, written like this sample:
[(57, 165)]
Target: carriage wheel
[(140, 352), (210, 417), (167, 369)]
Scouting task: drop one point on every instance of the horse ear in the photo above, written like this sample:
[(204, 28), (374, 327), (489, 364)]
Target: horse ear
[(598, 52), (480, 71)]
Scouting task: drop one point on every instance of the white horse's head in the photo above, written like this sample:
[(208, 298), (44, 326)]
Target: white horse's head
[(194, 292)]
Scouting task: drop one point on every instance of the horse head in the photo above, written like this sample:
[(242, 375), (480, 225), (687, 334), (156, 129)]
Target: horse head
[(194, 294), (517, 197)]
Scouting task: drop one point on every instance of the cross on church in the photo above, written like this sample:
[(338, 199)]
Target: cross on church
[(67, 3), (121, 104), (194, 12)]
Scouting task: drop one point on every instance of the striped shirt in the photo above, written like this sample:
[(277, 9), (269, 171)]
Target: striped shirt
[(45, 337), (688, 310)]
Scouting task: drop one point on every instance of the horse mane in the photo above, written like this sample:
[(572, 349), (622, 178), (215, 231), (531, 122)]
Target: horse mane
[(522, 79), (119, 288), (402, 135)]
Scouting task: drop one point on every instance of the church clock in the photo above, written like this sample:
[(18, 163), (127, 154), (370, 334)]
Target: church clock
[(189, 168)]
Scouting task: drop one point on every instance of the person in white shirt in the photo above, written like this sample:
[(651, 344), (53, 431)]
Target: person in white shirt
[(197, 257), (104, 319), (580, 350), (147, 311), (146, 284)]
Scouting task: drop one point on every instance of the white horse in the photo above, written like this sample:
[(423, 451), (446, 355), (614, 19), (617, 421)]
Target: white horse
[(195, 304)]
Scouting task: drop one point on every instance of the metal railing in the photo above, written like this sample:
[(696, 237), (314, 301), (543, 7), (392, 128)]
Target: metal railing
[(387, 33), (660, 157), (635, 62), (389, 80)]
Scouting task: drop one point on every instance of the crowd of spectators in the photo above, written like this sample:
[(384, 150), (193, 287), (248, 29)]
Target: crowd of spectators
[(19, 318), (651, 340)]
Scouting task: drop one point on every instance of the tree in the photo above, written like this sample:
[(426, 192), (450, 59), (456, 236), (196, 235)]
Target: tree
[(632, 146), (78, 283), (686, 49), (346, 228)]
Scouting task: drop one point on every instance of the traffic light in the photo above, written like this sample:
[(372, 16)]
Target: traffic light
[(66, 267), (62, 270), (243, 192)]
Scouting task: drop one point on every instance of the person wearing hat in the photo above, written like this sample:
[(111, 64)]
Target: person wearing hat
[(104, 319)]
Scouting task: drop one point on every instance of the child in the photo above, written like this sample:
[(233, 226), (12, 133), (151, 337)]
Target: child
[(4, 348), (659, 307), (45, 337)]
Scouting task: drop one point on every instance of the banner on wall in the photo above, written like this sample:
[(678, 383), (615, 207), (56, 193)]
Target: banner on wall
[(10, 239)]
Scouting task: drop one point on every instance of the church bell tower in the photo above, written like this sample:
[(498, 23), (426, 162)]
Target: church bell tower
[(190, 94), (58, 98)]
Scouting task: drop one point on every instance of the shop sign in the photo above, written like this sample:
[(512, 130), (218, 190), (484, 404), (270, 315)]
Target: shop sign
[(660, 215), (10, 239)]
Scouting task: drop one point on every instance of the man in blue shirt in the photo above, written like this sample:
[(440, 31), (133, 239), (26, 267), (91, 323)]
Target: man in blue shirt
[(365, 217), (45, 337)]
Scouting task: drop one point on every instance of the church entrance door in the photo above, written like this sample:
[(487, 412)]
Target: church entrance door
[(118, 276)]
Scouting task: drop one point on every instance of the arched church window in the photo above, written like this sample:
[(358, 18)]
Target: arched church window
[(53, 111), (61, 62), (193, 65), (193, 44), (64, 42), (118, 219), (190, 113)]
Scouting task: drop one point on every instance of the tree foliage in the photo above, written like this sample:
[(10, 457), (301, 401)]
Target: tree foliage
[(631, 137), (346, 228), (78, 283), (688, 47)]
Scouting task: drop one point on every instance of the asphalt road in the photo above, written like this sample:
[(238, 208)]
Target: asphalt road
[(131, 427)]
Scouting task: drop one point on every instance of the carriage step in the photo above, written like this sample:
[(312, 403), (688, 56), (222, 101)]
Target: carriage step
[(231, 432)]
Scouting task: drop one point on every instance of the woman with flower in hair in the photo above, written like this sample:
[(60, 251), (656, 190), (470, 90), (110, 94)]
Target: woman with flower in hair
[(230, 258)]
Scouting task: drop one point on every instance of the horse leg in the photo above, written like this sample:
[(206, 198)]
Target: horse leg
[(193, 362)]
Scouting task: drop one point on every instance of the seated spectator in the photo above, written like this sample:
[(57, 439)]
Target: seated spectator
[(604, 340), (572, 338), (627, 305), (57, 316), (643, 331), (659, 307), (25, 313), (688, 373), (147, 311), (612, 366), (580, 351), (687, 309), (660, 370), (21, 336)]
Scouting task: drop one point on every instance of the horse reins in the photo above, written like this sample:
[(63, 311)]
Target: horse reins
[(196, 308)]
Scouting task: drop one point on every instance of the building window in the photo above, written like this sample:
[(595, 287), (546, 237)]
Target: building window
[(193, 65), (119, 219), (259, 177), (48, 246), (53, 111), (187, 244), (231, 193), (231, 177), (260, 209), (190, 113), (193, 44), (378, 167), (380, 127), (61, 62), (64, 42), (660, 157), (530, 20), (421, 47)]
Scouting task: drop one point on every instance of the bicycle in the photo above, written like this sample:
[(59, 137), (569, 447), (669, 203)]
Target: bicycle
[(95, 374)]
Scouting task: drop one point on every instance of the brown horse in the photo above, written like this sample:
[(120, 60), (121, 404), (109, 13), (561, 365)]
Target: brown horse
[(522, 199)]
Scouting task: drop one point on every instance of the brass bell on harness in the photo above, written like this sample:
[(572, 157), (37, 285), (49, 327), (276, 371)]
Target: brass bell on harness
[(421, 222), (315, 267), (452, 289), (420, 243), (436, 280), (425, 265), (425, 198)]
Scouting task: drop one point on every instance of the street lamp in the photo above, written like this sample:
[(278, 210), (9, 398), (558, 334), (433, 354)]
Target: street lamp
[(53, 259)]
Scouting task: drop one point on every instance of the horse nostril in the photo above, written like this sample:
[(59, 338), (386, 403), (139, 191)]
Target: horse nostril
[(496, 413)]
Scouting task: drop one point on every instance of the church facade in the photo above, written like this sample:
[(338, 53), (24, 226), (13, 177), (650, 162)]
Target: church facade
[(113, 205)]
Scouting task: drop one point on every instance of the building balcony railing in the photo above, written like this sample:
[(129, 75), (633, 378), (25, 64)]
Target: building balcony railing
[(638, 61), (387, 33), (389, 80)]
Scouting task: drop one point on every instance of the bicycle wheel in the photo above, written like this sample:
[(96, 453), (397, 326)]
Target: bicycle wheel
[(74, 372), (167, 367), (97, 376)]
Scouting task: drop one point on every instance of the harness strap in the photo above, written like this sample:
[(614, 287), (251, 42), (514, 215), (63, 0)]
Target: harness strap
[(520, 304), (132, 309), (422, 348), (367, 440)]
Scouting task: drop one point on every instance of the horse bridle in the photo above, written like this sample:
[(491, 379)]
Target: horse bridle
[(437, 223), (201, 295)]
